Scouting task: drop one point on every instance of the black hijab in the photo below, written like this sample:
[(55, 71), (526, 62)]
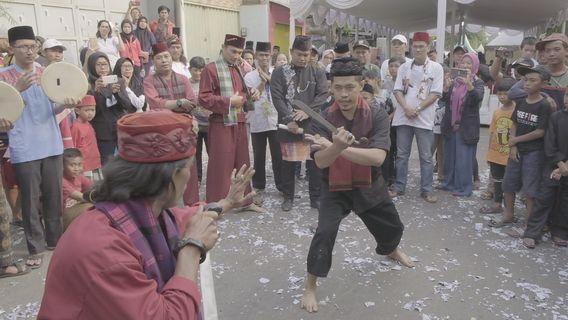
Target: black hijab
[(136, 84), (92, 66)]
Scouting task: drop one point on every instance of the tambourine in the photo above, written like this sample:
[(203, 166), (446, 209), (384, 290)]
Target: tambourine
[(64, 80), (11, 102)]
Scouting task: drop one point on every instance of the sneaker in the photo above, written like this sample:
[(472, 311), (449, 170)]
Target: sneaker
[(287, 204), (429, 198)]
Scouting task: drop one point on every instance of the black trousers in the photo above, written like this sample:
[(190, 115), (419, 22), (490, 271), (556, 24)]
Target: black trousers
[(106, 149), (497, 173), (382, 221), (201, 139), (40, 183), (259, 141), (551, 206), (388, 168), (288, 178)]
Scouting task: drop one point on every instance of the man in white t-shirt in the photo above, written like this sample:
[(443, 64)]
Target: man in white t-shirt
[(418, 86), (398, 50)]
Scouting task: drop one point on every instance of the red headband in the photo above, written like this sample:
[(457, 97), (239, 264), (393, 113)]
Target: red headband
[(155, 137)]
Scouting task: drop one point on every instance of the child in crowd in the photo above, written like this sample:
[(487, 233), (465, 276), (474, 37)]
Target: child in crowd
[(74, 185), (438, 145), (85, 139), (389, 165), (499, 133), (196, 65), (526, 142), (552, 202)]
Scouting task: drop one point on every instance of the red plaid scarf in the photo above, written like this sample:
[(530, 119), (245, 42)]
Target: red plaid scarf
[(345, 175), (136, 219), (175, 90)]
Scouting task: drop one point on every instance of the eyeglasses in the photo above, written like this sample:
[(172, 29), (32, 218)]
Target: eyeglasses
[(27, 48), (101, 65)]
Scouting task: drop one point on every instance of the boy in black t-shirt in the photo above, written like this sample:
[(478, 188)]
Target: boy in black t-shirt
[(526, 157)]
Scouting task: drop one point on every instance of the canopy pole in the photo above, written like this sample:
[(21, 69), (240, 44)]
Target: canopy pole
[(441, 40), (292, 30)]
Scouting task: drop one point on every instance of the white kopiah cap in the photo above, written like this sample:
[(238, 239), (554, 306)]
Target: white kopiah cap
[(52, 43), (400, 38)]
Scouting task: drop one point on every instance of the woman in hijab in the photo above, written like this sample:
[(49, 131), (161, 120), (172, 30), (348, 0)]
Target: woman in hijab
[(327, 58), (460, 127), (135, 254), (112, 103), (147, 40), (132, 48), (124, 69)]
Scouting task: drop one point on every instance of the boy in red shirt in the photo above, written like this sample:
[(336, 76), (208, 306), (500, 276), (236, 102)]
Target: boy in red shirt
[(74, 185), (85, 139)]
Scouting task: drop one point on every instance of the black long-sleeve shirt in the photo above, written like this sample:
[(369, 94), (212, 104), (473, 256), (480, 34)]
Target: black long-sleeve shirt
[(555, 147)]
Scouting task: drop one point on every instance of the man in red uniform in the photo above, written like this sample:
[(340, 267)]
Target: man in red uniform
[(168, 90), (222, 91)]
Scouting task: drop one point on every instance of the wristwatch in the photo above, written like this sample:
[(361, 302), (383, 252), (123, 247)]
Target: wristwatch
[(191, 242), (178, 103)]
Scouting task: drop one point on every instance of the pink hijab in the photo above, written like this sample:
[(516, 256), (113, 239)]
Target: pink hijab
[(460, 89)]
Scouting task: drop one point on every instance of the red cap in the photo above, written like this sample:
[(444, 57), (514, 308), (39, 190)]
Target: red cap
[(159, 48), (87, 101), (235, 41), (155, 136), (421, 36)]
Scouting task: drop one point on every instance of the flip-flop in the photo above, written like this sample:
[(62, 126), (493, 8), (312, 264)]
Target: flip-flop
[(515, 232), (559, 242), (34, 257), (529, 243), (500, 224), (21, 268), (489, 210), (486, 195)]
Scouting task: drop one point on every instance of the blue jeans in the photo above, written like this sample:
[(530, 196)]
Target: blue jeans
[(424, 140), (458, 164)]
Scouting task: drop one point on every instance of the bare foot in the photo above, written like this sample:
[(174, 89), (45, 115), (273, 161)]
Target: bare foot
[(253, 207), (309, 301), (401, 257)]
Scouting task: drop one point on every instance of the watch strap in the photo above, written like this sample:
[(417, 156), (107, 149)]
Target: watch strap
[(191, 242)]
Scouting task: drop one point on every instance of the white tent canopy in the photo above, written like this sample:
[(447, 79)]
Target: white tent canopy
[(505, 40), (414, 15)]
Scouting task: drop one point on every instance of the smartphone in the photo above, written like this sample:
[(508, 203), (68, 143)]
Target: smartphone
[(112, 79), (456, 72), (176, 31)]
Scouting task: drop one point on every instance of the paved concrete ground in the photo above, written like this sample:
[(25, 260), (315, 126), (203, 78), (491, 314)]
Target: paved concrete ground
[(465, 270)]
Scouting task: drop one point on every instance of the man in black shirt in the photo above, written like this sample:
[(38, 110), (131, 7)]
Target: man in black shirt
[(526, 158), (351, 175)]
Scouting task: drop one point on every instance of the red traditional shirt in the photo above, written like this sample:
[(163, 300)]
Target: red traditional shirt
[(96, 272), (85, 140)]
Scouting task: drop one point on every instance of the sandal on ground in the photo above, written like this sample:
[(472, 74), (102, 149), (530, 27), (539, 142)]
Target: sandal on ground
[(500, 224), (490, 209), (529, 243), (486, 195), (394, 194), (515, 232), (560, 242), (21, 270), (34, 258)]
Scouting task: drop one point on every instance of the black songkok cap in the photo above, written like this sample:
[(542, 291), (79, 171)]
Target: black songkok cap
[(21, 33), (346, 67), (263, 46), (341, 47), (249, 45), (302, 43)]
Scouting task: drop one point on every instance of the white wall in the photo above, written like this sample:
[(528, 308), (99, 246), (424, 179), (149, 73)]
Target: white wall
[(255, 19)]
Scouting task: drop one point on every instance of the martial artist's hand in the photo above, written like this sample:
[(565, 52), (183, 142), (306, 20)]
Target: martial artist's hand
[(514, 154), (318, 142), (26, 81), (5, 125), (240, 180), (343, 138), (255, 94), (70, 102), (293, 127), (202, 226), (300, 115), (237, 101)]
